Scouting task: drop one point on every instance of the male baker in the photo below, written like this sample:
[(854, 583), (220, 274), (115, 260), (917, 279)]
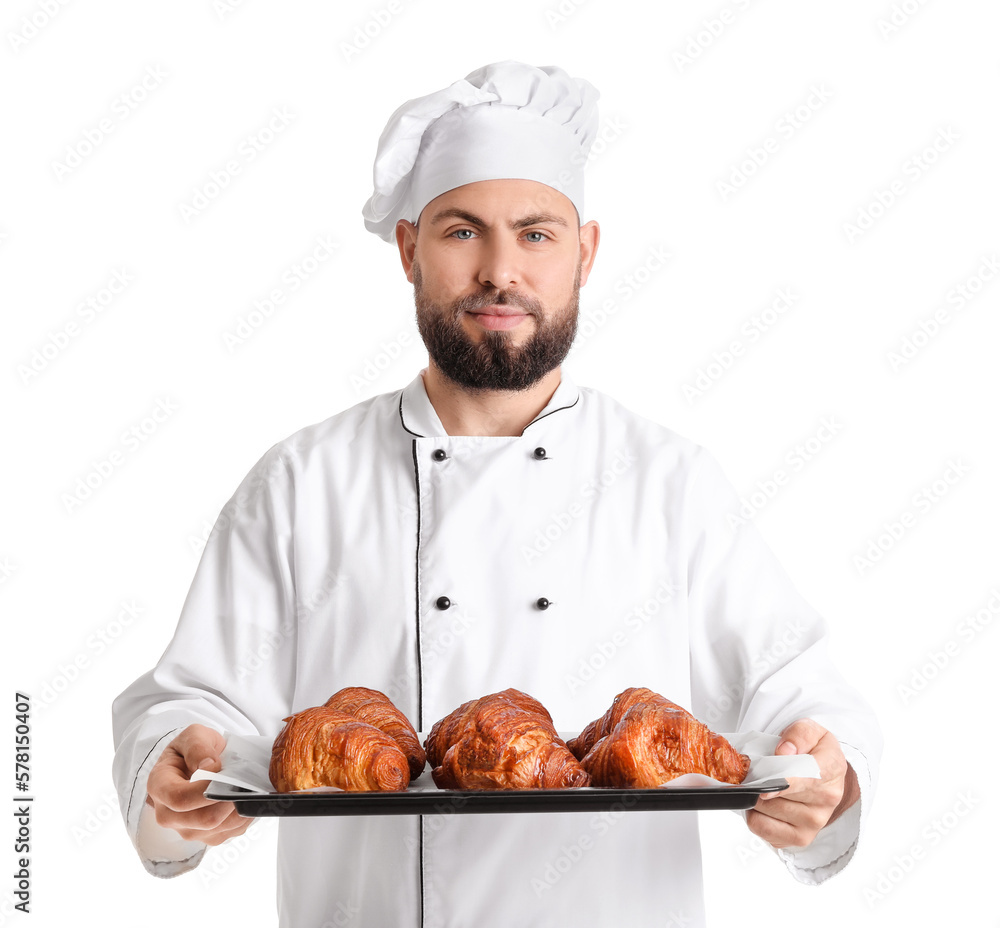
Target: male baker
[(490, 525)]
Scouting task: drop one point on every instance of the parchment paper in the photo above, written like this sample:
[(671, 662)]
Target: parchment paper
[(246, 758)]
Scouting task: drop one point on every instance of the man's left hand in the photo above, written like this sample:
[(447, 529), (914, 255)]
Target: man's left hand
[(793, 817)]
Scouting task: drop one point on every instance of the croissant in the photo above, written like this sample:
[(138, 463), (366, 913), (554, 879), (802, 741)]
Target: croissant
[(324, 747), (376, 709), (603, 726), (644, 740), (502, 741)]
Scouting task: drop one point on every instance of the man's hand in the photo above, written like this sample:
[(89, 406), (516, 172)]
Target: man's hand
[(181, 804), (793, 817)]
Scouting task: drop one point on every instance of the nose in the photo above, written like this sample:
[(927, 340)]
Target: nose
[(499, 266)]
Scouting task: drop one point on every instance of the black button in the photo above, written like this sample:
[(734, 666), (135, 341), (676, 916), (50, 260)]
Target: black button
[(439, 454), (539, 454), (443, 602), (542, 603)]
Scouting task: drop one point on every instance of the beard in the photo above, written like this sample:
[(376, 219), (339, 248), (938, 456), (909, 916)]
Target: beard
[(494, 362)]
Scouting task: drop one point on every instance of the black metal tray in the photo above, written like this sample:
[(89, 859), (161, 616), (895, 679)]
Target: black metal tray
[(422, 799)]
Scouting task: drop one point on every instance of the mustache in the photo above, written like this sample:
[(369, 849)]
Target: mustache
[(484, 298)]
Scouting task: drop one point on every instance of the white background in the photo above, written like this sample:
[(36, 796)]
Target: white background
[(674, 130)]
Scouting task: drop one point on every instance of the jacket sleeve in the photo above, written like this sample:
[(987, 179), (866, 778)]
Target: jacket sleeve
[(759, 658), (230, 664)]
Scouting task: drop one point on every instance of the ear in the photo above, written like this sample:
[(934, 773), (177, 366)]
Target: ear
[(590, 237), (406, 241)]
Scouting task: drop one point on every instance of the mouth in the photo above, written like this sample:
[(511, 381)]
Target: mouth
[(495, 309), (498, 317)]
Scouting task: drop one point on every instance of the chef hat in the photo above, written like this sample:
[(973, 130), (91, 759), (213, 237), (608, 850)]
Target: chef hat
[(503, 120)]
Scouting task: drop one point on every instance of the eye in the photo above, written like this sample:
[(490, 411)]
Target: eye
[(460, 234), (543, 237)]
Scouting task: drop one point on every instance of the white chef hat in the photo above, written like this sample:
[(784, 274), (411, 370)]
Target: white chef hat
[(506, 119)]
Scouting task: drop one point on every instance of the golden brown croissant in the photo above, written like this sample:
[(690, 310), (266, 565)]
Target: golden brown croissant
[(324, 747), (501, 741), (597, 729), (376, 709), (644, 740)]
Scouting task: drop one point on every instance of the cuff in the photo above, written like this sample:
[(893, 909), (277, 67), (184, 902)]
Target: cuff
[(163, 852), (832, 849), (829, 852)]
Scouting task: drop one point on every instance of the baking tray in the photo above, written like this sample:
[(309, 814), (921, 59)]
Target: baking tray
[(421, 799)]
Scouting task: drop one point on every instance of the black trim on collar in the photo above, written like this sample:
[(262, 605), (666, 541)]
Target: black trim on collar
[(549, 413), (401, 422)]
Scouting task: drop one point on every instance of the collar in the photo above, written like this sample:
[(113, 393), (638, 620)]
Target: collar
[(418, 416)]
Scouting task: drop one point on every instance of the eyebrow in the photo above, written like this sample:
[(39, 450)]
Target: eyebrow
[(523, 223)]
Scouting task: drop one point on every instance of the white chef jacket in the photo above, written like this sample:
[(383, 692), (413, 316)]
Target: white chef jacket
[(373, 549)]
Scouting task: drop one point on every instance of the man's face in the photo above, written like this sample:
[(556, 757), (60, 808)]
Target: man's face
[(496, 268)]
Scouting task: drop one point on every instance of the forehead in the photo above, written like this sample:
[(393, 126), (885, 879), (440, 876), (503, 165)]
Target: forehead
[(503, 201)]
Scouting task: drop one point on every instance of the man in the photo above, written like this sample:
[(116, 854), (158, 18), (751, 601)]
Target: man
[(490, 525)]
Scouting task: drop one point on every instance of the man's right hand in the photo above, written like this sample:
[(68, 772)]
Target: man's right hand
[(181, 804)]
